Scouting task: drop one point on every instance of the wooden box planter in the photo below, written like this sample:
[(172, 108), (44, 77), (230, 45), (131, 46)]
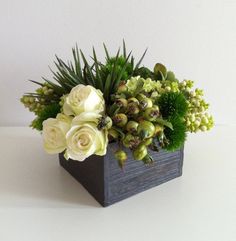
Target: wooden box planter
[(108, 184)]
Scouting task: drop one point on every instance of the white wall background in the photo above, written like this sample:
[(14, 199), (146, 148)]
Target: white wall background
[(194, 38)]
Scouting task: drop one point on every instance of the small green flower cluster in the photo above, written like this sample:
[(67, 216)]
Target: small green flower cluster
[(32, 103), (45, 90), (37, 101)]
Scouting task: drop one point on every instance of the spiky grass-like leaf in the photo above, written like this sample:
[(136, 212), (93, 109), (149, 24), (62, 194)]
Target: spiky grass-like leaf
[(105, 77), (98, 74), (141, 59), (106, 51)]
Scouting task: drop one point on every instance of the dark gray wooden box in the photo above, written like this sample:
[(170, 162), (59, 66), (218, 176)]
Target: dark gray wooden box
[(107, 183)]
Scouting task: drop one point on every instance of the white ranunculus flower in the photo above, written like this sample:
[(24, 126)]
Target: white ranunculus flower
[(83, 98), (54, 133), (84, 138)]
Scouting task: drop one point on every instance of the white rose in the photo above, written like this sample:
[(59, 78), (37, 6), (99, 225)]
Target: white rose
[(84, 138), (83, 98), (54, 133)]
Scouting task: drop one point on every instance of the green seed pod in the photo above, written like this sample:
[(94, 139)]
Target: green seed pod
[(147, 142), (151, 113), (147, 159), (120, 119), (122, 89), (127, 142), (131, 141), (154, 95), (141, 97), (158, 129), (113, 134), (140, 152), (121, 156), (132, 99), (146, 129), (122, 103), (132, 126), (132, 108), (145, 103)]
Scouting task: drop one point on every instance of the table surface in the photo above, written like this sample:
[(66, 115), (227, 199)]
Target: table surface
[(40, 201)]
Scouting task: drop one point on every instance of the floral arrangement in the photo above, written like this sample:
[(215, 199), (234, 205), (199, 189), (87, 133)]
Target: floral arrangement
[(89, 105)]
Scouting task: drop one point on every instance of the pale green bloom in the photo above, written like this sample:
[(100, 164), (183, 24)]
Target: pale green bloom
[(83, 98), (148, 85), (84, 139), (132, 84), (54, 133)]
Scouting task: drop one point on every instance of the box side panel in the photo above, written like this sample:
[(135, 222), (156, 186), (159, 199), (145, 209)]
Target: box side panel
[(90, 173), (138, 177)]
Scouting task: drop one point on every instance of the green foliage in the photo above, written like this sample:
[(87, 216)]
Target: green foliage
[(160, 71), (177, 136), (144, 73), (104, 77), (120, 63), (172, 104), (49, 111)]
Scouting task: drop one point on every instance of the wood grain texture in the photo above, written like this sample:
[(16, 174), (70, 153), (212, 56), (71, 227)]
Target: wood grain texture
[(108, 184)]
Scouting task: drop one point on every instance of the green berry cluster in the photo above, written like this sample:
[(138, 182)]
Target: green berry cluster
[(137, 121), (197, 118)]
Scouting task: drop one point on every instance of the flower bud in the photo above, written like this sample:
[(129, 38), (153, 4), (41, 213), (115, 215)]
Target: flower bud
[(192, 93), (205, 120), (192, 118), (132, 108), (140, 152), (121, 156), (167, 88), (151, 113), (132, 126), (122, 103), (146, 129), (132, 99), (145, 103), (158, 129), (147, 142), (31, 99), (113, 134), (122, 88), (128, 140), (203, 128), (154, 95), (147, 159), (188, 123), (120, 119), (197, 123)]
